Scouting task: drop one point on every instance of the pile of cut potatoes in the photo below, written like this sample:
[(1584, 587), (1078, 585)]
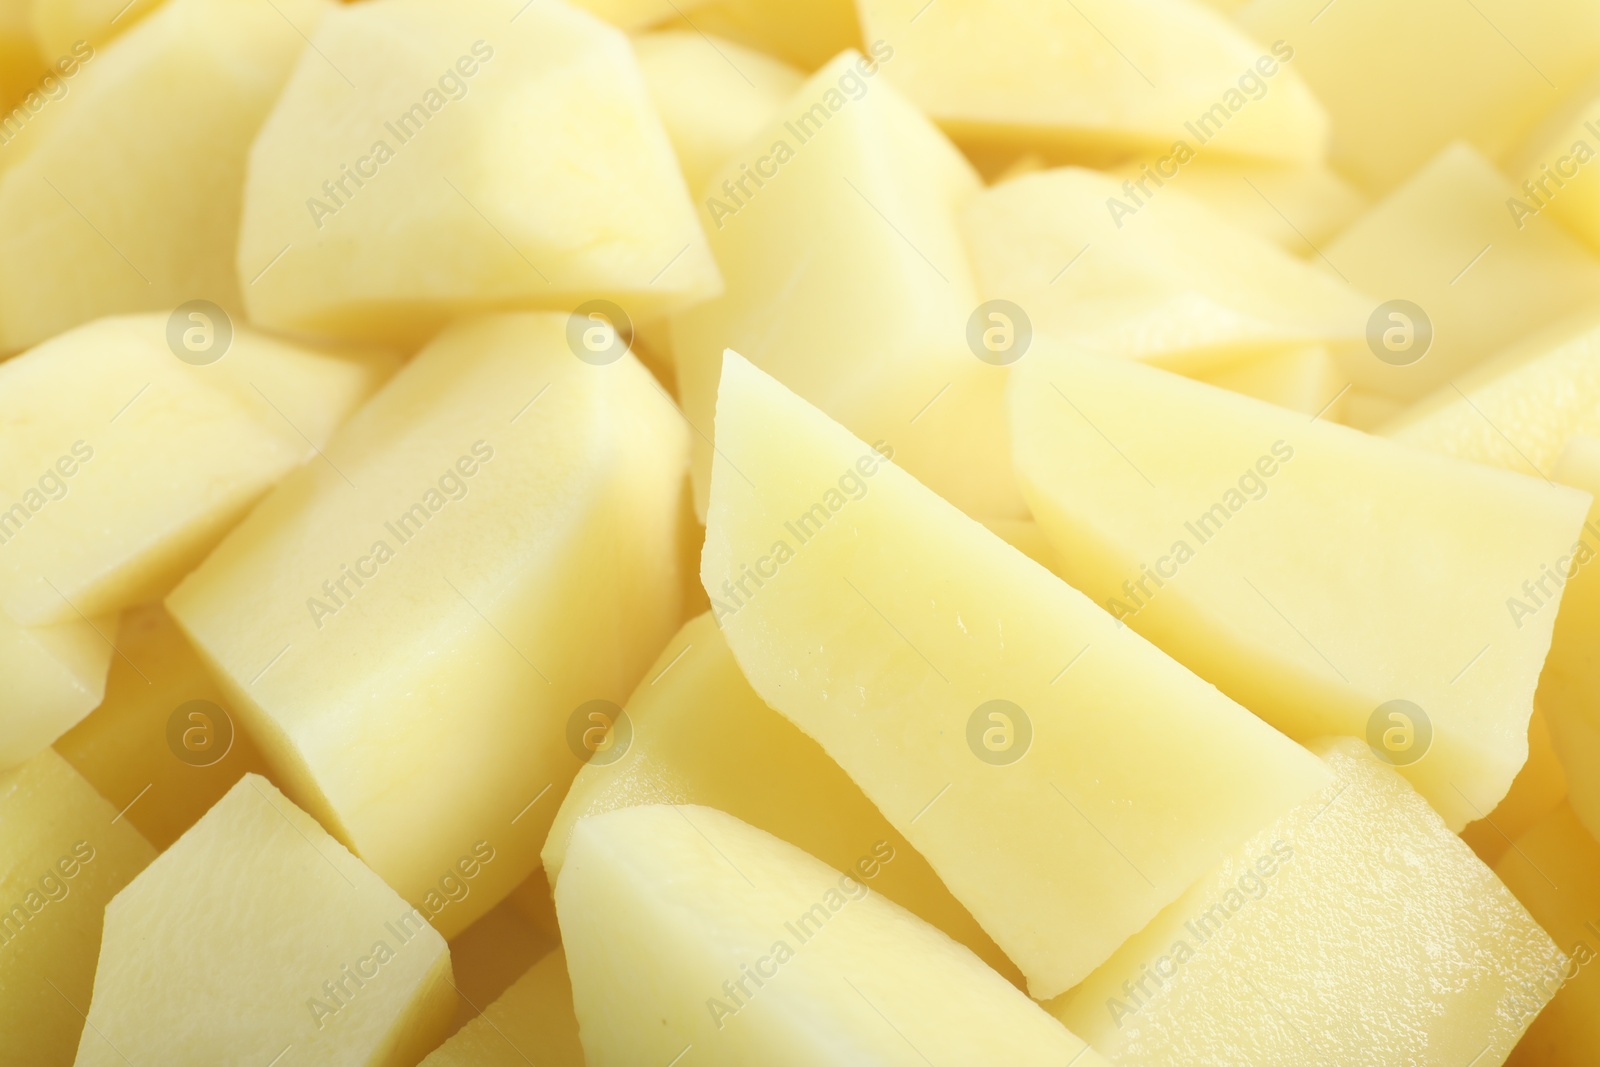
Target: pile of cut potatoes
[(655, 533)]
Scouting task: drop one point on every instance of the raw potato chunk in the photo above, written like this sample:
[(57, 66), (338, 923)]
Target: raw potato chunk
[(491, 545), (886, 625), (847, 280), (54, 676), (105, 423), (1555, 871), (1537, 790), (1296, 208), (532, 1022), (1224, 530), (121, 464), (190, 83), (700, 735), (1168, 281), (1445, 242), (806, 33), (1571, 680), (63, 855), (713, 96), (1518, 410), (257, 897), (1098, 77), (60, 24), (1355, 930), (126, 747), (750, 951), (1306, 380), (483, 163), (1552, 171), (1402, 78)]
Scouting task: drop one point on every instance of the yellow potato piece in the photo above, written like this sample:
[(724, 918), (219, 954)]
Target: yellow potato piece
[(1098, 77), (698, 734), (484, 163), (490, 545), (126, 193), (122, 464), (806, 33), (1537, 790), (1402, 78), (60, 24), (1355, 930), (63, 855), (1555, 870), (1306, 380), (747, 950), (1369, 412), (531, 1022), (634, 14), (55, 675), (1444, 242), (1156, 277), (847, 280), (886, 625), (162, 744), (256, 896), (713, 96), (1222, 529)]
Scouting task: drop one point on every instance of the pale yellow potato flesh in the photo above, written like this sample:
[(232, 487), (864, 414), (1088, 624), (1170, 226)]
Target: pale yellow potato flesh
[(748, 950), (125, 748), (1072, 78), (54, 676), (635, 14), (531, 1022), (257, 896), (1223, 529), (1538, 789), (59, 24), (63, 855), (122, 465), (701, 735), (882, 622), (485, 163), (1306, 380), (857, 298), (190, 83), (1445, 242), (806, 33), (491, 544), (1555, 871), (1356, 929), (1162, 279)]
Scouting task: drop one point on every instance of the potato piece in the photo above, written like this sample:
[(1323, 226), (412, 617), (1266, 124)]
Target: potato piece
[(491, 544), (806, 33), (687, 916), (635, 14), (1169, 281), (256, 896), (887, 636), (859, 302), (713, 96), (1355, 930), (165, 776), (122, 464), (1369, 412), (1098, 78), (60, 24), (55, 675), (484, 163), (1555, 871), (1306, 380), (1403, 78), (63, 854), (1538, 789), (531, 1022), (191, 82), (1445, 242), (698, 734), (1194, 515), (1576, 737), (1519, 410), (1296, 208)]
